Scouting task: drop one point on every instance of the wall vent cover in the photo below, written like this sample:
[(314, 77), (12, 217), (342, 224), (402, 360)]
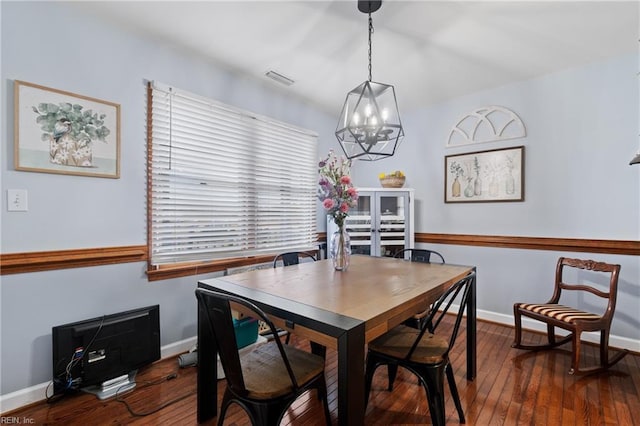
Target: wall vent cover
[(276, 76)]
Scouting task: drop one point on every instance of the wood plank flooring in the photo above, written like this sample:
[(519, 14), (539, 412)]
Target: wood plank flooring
[(513, 387)]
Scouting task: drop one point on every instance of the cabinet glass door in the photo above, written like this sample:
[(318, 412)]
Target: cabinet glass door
[(392, 211), (379, 225), (359, 225)]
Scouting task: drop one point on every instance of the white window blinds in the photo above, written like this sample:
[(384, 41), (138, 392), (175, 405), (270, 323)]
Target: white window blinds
[(226, 182)]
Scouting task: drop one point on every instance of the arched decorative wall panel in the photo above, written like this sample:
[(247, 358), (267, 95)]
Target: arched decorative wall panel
[(486, 124)]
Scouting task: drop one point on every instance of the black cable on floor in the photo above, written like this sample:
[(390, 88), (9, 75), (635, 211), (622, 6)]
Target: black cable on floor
[(155, 410)]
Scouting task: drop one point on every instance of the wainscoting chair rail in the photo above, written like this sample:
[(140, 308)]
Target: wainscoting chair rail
[(15, 263)]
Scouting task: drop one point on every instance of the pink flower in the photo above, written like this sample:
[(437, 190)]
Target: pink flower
[(328, 203), (335, 187)]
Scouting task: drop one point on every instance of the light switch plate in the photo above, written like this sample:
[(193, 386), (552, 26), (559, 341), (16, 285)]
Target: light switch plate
[(17, 200)]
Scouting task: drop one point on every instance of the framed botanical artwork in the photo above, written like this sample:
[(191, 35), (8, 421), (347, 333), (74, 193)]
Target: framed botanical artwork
[(485, 176), (62, 132)]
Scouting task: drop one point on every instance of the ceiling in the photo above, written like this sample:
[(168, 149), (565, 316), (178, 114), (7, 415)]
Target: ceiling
[(429, 50)]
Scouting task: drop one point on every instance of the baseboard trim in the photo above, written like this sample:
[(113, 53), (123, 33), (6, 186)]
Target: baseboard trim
[(33, 394), (533, 325), (36, 393)]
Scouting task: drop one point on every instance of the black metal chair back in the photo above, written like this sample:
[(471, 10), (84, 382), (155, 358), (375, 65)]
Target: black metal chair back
[(274, 384), (292, 258), (218, 310), (441, 308), (421, 255)]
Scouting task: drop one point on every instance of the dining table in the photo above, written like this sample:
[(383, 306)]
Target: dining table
[(341, 310)]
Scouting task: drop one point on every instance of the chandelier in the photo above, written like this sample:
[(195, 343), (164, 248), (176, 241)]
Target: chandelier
[(369, 126)]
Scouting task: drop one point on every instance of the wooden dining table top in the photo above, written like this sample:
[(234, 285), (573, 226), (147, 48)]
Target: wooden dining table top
[(373, 290)]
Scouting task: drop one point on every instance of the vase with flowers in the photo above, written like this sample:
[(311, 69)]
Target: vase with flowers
[(338, 195)]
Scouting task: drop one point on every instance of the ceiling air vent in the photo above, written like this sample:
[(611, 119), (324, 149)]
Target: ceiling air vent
[(279, 78)]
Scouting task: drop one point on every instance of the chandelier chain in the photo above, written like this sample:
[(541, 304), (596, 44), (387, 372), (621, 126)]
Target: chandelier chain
[(370, 32)]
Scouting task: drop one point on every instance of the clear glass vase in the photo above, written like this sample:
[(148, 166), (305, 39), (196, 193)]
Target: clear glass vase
[(340, 249)]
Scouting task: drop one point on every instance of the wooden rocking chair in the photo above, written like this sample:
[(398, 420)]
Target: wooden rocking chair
[(574, 320)]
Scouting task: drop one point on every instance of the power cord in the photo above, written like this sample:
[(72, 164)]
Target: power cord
[(53, 398), (171, 376), (65, 382)]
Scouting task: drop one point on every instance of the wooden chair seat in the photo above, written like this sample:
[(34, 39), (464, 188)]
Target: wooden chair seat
[(559, 312), (266, 376), (398, 341)]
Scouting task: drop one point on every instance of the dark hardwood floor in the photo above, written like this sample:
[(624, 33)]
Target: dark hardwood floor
[(513, 387)]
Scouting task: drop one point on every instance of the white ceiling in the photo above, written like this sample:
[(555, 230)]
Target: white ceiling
[(429, 50)]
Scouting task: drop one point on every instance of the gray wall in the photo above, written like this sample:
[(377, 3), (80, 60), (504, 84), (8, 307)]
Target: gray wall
[(582, 130), (82, 55)]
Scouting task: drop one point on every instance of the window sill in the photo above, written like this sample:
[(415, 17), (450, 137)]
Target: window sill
[(189, 269)]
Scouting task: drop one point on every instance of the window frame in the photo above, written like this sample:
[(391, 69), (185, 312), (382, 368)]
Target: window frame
[(155, 270)]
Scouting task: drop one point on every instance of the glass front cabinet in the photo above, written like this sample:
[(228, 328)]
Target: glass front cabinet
[(382, 222)]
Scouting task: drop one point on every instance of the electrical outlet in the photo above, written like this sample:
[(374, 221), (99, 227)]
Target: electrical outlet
[(17, 200)]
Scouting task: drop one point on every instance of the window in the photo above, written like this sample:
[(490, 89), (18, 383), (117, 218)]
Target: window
[(225, 183)]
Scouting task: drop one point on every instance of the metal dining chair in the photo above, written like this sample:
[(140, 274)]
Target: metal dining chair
[(268, 379), (424, 351), (417, 320)]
